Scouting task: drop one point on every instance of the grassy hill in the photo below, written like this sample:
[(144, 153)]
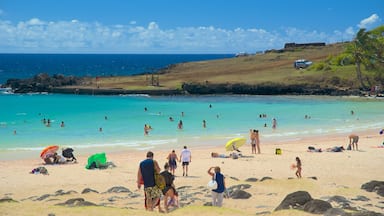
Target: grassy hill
[(272, 68)]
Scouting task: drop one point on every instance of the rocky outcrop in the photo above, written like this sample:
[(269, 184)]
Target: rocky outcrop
[(295, 200), (42, 83), (374, 186), (264, 89)]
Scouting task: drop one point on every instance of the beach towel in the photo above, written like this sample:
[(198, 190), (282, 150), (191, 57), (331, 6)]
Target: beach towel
[(98, 160)]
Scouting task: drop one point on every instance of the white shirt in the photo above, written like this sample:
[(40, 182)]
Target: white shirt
[(185, 155)]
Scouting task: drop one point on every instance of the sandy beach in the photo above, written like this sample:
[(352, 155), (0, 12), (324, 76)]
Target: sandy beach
[(325, 174)]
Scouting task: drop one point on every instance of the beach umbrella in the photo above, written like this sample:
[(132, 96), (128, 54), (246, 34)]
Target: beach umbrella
[(48, 151), (234, 144)]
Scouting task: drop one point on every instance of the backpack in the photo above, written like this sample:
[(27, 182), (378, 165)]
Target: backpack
[(40, 170), (159, 181)]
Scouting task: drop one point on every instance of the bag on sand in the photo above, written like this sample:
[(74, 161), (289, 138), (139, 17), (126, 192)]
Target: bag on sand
[(159, 180)]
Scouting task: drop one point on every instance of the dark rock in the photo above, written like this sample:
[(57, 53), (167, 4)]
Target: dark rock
[(338, 199), (341, 202), (372, 186), (295, 200), (89, 190), (62, 192), (335, 212), (240, 194), (77, 202), (7, 199), (265, 178), (41, 83), (45, 196), (239, 187), (380, 191), (317, 206), (251, 180), (361, 198), (367, 213), (119, 189)]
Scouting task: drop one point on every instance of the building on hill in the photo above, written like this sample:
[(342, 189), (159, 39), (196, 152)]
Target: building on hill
[(295, 45)]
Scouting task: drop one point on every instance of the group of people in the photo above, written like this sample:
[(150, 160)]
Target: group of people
[(145, 176), (55, 158), (153, 194), (255, 141)]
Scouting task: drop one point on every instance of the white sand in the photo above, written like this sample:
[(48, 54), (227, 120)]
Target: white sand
[(337, 173)]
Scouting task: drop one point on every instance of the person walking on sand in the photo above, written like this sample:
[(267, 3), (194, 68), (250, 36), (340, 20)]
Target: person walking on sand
[(172, 161), (218, 193), (257, 141), (353, 140), (146, 175), (169, 192), (298, 167), (252, 138), (185, 158)]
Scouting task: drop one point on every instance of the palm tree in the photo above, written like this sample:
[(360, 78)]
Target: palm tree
[(360, 49)]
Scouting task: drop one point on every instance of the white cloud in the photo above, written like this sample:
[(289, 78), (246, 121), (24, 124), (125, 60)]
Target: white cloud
[(35, 21), (40, 36), (368, 22)]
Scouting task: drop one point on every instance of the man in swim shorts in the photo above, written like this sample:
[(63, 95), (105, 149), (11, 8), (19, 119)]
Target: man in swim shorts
[(353, 140), (145, 175), (185, 158)]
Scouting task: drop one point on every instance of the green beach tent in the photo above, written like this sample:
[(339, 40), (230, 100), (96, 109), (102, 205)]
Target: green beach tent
[(97, 161)]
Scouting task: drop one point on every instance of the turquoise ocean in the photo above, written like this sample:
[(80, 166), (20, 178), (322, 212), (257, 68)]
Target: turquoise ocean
[(122, 119)]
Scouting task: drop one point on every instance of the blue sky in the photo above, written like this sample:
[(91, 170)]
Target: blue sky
[(178, 26)]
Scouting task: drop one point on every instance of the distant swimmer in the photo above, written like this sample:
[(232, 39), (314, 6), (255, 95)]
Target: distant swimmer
[(204, 124), (147, 128), (171, 119), (180, 125), (145, 109), (14, 132), (274, 123), (101, 129), (62, 124)]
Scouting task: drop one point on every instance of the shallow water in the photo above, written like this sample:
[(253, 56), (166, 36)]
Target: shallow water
[(122, 119)]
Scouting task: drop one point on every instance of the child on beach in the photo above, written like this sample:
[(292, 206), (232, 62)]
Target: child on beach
[(298, 167)]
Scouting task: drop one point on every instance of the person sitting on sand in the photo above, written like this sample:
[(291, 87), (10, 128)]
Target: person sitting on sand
[(58, 159), (217, 155), (313, 149), (335, 149)]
